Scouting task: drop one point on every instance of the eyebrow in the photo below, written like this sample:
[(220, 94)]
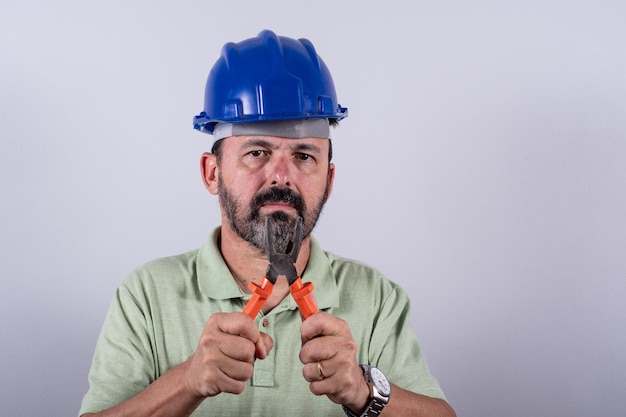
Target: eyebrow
[(308, 147), (258, 142), (298, 147)]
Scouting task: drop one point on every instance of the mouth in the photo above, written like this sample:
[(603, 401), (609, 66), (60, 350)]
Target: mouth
[(277, 205), (276, 200)]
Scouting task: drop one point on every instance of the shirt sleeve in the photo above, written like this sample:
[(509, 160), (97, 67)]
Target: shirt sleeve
[(122, 365), (395, 350)]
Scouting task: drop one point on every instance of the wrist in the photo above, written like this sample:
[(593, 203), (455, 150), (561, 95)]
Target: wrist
[(362, 398), (189, 382), (379, 393)]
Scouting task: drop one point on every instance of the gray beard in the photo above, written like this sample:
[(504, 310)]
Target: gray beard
[(250, 226)]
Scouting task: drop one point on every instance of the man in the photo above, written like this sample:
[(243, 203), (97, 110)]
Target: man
[(176, 342)]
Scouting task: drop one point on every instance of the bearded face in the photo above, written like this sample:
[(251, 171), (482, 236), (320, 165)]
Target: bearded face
[(246, 219)]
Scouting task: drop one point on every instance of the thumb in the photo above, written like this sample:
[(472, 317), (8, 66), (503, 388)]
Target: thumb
[(263, 346)]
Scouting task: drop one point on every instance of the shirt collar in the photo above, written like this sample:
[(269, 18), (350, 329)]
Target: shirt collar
[(215, 280)]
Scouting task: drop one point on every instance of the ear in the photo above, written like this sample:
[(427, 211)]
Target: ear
[(331, 178), (209, 169)]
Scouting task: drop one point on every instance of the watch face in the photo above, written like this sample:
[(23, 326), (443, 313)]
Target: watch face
[(380, 382)]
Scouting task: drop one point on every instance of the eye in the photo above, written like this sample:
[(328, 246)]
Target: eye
[(257, 153), (304, 156)]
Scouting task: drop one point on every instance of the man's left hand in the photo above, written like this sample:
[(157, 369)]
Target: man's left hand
[(329, 357)]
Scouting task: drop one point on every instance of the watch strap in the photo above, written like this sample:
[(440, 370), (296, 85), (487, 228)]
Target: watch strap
[(349, 412), (374, 408)]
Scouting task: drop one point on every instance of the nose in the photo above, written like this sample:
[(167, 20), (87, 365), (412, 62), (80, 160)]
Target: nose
[(280, 174)]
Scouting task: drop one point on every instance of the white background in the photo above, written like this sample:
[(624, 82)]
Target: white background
[(483, 167)]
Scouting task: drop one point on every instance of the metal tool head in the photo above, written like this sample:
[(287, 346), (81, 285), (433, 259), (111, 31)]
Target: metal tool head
[(282, 263)]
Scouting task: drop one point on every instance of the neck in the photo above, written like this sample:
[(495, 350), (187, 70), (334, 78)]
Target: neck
[(248, 264)]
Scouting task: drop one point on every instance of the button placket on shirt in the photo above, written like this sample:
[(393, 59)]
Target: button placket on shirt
[(264, 369)]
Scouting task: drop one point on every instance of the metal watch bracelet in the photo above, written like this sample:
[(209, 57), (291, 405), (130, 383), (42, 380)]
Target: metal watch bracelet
[(376, 401)]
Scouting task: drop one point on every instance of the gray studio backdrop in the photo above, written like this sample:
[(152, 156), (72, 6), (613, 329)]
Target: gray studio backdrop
[(483, 167)]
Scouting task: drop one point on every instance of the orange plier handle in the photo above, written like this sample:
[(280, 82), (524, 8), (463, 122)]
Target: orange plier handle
[(303, 294), (259, 296)]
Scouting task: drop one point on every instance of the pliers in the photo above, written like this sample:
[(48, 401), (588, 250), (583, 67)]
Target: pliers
[(282, 264)]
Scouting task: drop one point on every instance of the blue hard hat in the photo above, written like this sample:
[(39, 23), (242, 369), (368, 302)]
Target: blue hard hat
[(268, 77)]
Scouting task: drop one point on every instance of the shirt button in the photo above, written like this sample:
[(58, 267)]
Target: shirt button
[(266, 322)]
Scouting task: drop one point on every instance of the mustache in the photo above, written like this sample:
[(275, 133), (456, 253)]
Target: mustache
[(276, 194)]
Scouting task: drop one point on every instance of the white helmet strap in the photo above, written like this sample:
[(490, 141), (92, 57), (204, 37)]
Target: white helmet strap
[(295, 129)]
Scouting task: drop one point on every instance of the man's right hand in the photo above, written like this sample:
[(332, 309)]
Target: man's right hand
[(224, 359), (223, 362)]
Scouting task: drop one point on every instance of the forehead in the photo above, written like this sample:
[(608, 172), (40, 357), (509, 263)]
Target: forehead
[(275, 143)]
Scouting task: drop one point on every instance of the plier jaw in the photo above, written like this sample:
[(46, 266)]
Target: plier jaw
[(282, 264)]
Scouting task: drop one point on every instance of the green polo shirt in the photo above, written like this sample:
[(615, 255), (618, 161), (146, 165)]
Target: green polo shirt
[(158, 313)]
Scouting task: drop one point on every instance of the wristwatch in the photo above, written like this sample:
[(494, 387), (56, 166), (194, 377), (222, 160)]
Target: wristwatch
[(380, 391)]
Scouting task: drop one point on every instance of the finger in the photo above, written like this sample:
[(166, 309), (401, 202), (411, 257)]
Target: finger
[(237, 348), (263, 346), (338, 345), (312, 327), (230, 377), (341, 387), (319, 349), (321, 324), (214, 369), (316, 371), (237, 324), (235, 369), (222, 335)]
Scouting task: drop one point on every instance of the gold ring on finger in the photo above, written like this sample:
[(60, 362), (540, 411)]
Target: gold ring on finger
[(321, 370)]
